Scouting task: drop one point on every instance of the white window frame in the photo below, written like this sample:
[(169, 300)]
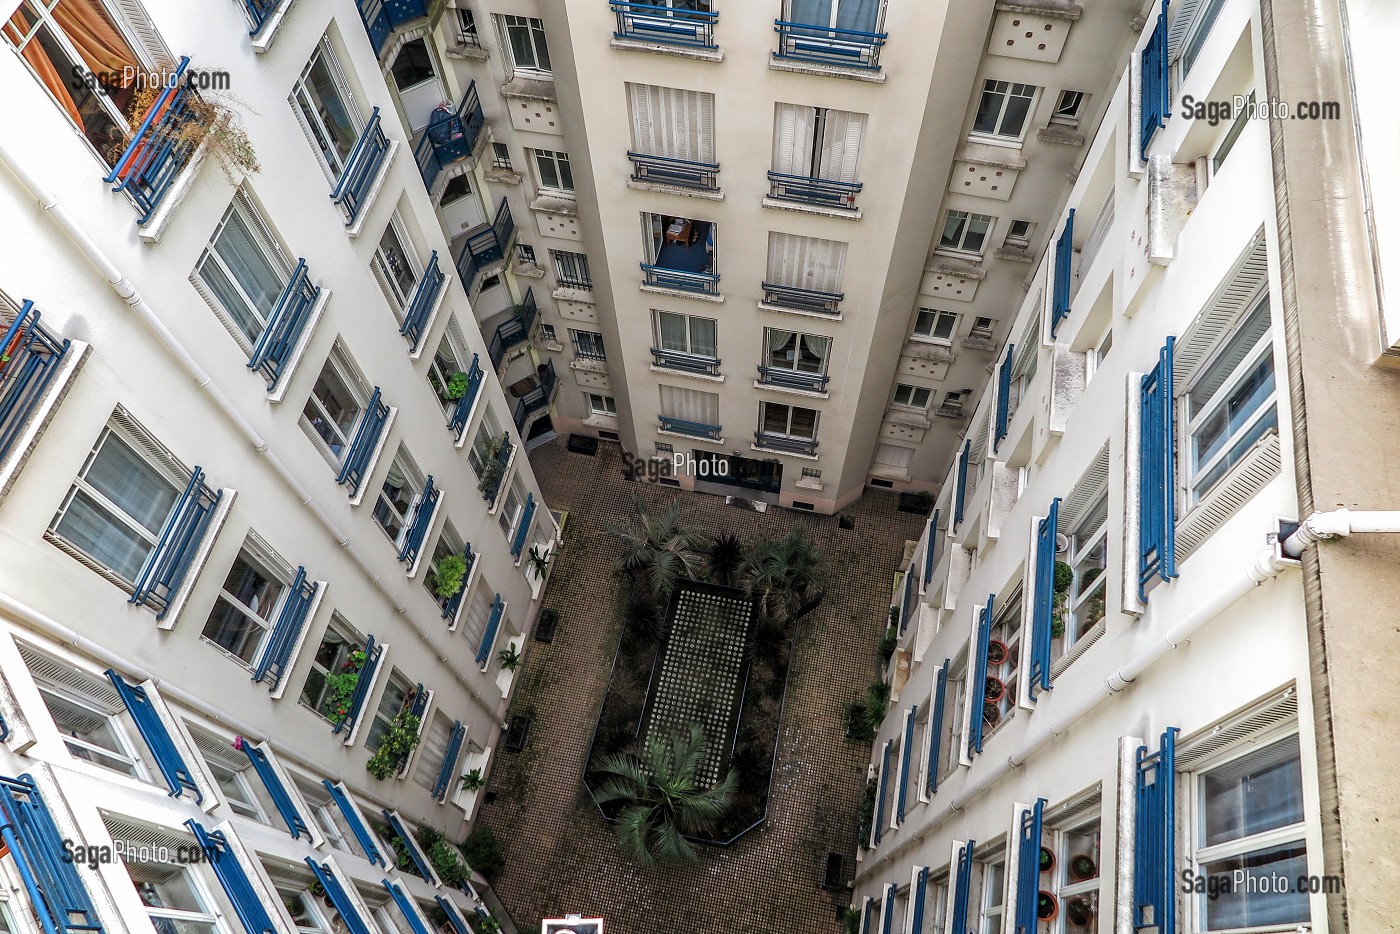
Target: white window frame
[(126, 753), (1022, 239), (969, 220), (799, 341), (275, 572), (348, 374), (382, 263), (954, 717), (1009, 91), (599, 404), (309, 116), (1084, 542), (763, 421), (350, 638), (212, 915), (384, 717), (560, 165), (938, 321), (1009, 671), (506, 25), (451, 346), (911, 396), (992, 914), (414, 482), (269, 250), (247, 803), (661, 343), (487, 432), (1069, 107)]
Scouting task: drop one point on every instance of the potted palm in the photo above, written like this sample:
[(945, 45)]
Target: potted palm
[(539, 560), (472, 781), (510, 658)]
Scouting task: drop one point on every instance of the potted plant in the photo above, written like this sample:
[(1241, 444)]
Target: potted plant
[(1079, 912), (858, 722), (510, 658), (1047, 906), (395, 746), (473, 780), (888, 643), (340, 687), (1057, 624), (450, 575), (1047, 859), (990, 715), (209, 122), (996, 652), (539, 560), (1082, 867), (456, 387), (493, 471), (994, 690)]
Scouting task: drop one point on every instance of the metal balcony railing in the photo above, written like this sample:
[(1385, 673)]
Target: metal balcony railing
[(695, 429), (422, 519), (284, 326), (463, 410), (811, 300), (503, 458), (361, 169), (160, 148), (589, 350), (647, 22), (450, 137), (259, 12), (682, 173), (664, 278), (522, 529), (685, 362), (382, 17), (538, 398), (818, 192), (29, 358), (180, 536), (788, 445), (486, 244), (362, 446), (792, 379), (513, 332), (425, 297), (829, 45)]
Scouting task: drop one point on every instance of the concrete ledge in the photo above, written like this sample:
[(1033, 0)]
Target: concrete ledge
[(784, 310), (791, 391), (777, 204), (829, 71), (682, 293), (636, 185), (672, 371), (661, 48), (535, 89)]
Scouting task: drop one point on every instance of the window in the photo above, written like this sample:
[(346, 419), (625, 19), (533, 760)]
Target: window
[(467, 34), (811, 473), (817, 142), (478, 614), (686, 334), (329, 819), (413, 65), (1230, 405), (955, 704), (1068, 106), (789, 350), (964, 232), (1003, 109), (393, 508), (395, 266), (1197, 33), (335, 406), (672, 123), (174, 899), (484, 443), (1019, 235), (860, 15), (118, 504), (525, 255), (1084, 602), (243, 269), (457, 188), (553, 172), (588, 344), (914, 397), (432, 753), (1002, 681), (690, 405), (935, 325), (792, 421), (303, 909), (601, 405), (806, 262), (680, 243), (571, 269), (993, 896), (92, 729), (1232, 135), (527, 52), (449, 359), (952, 402), (1075, 877), (665, 448), (500, 157), (448, 543), (398, 694), (233, 773), (548, 334), (66, 44), (334, 656), (982, 327), (1249, 818), (514, 505), (246, 607), (322, 100)]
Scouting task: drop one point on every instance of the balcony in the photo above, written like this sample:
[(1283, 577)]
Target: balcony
[(678, 173), (829, 45), (646, 22), (685, 362), (792, 379), (425, 298), (813, 192), (809, 301), (162, 146), (174, 554), (485, 245), (259, 12), (451, 137), (785, 444), (362, 169), (382, 17), (536, 399), (29, 358), (694, 429), (514, 331), (284, 326)]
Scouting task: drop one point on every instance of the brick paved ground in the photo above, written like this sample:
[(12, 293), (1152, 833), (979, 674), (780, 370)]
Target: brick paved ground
[(560, 855)]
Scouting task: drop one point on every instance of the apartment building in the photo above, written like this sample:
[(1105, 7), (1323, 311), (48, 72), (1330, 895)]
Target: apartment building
[(1129, 640), (267, 519)]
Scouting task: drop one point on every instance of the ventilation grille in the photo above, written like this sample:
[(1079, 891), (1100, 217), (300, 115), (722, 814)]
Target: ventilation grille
[(218, 750), (1245, 727), (1231, 300), (140, 840), (1246, 478), (84, 684), (1087, 491), (1079, 648), (150, 447), (1077, 807), (979, 441), (1029, 342)]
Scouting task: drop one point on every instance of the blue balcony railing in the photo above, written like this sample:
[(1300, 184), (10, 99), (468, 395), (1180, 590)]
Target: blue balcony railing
[(450, 137), (59, 902), (663, 278), (792, 379), (647, 22), (462, 412), (829, 45), (685, 362), (503, 458), (362, 446), (810, 300), (286, 631), (159, 149), (683, 173), (695, 429), (488, 638), (536, 399), (484, 245), (788, 445), (422, 519), (180, 536), (504, 227), (361, 169), (382, 17), (448, 772), (259, 12), (425, 298), (454, 602), (818, 192), (284, 326), (29, 358)]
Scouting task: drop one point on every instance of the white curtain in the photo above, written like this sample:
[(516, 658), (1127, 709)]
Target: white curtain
[(242, 277), (690, 405), (704, 338), (806, 262), (671, 330)]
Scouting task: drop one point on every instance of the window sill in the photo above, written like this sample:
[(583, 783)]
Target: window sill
[(775, 451), (1061, 135), (932, 351), (40, 417), (473, 53), (909, 417), (790, 391), (660, 188), (548, 202), (957, 263), (1016, 254), (662, 48), (262, 42), (777, 63), (783, 310), (975, 342), (527, 88), (599, 420), (777, 204), (154, 228), (568, 293), (527, 270), (589, 365), (504, 176), (683, 293), (889, 472), (696, 438), (687, 374)]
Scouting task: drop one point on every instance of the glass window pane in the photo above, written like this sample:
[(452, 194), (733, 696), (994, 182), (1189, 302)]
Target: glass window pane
[(1258, 792), (94, 531), (1257, 889), (132, 484)]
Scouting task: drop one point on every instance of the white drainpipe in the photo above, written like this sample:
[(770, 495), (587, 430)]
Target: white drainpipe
[(1268, 565), (123, 287)]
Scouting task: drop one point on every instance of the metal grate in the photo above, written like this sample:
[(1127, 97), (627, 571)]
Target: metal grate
[(1242, 728), (53, 672)]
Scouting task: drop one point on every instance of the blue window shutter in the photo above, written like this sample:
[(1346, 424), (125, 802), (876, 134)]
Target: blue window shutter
[(281, 799), (1028, 867), (1064, 275), (488, 638), (1003, 410), (454, 917), (286, 630), (177, 775), (1155, 90), (233, 879), (409, 910), (34, 358), (373, 653), (917, 898), (415, 852), (935, 726), (357, 826), (906, 758), (962, 887), (906, 598), (169, 562), (979, 678), (1154, 837), (1043, 615), (880, 787), (449, 762), (960, 494), (57, 895), (887, 909), (931, 549), (1157, 474), (339, 897), (867, 925), (522, 531), (422, 519)]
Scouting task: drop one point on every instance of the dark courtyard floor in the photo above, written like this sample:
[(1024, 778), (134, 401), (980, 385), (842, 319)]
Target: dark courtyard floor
[(561, 857)]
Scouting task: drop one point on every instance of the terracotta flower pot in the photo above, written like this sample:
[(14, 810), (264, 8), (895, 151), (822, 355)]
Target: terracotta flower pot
[(1082, 867), (990, 715), (996, 652), (1047, 906), (1079, 912), (994, 690), (1047, 859)]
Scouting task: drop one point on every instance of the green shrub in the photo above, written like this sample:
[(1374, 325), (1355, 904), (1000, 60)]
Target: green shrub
[(483, 851), (878, 700), (888, 643)]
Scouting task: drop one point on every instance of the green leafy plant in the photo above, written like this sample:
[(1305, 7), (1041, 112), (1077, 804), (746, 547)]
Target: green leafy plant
[(888, 643), (661, 798), (724, 557), (782, 575), (340, 686), (456, 386), (395, 746), (483, 851), (878, 700), (850, 921), (656, 550), (493, 469), (473, 780), (487, 925), (444, 856), (539, 560), (858, 726), (450, 575), (1064, 577), (867, 811), (510, 658)]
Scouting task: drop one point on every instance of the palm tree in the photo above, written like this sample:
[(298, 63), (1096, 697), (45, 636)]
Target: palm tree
[(724, 557), (782, 575), (662, 799), (657, 548)]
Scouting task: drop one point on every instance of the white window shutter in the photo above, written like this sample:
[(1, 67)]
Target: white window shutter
[(137, 26), (705, 126), (841, 139), (643, 136), (690, 405), (792, 140), (783, 259), (262, 233)]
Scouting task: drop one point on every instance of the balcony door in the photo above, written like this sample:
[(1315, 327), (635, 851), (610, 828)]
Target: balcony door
[(816, 142), (460, 205), (416, 76), (861, 15)]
